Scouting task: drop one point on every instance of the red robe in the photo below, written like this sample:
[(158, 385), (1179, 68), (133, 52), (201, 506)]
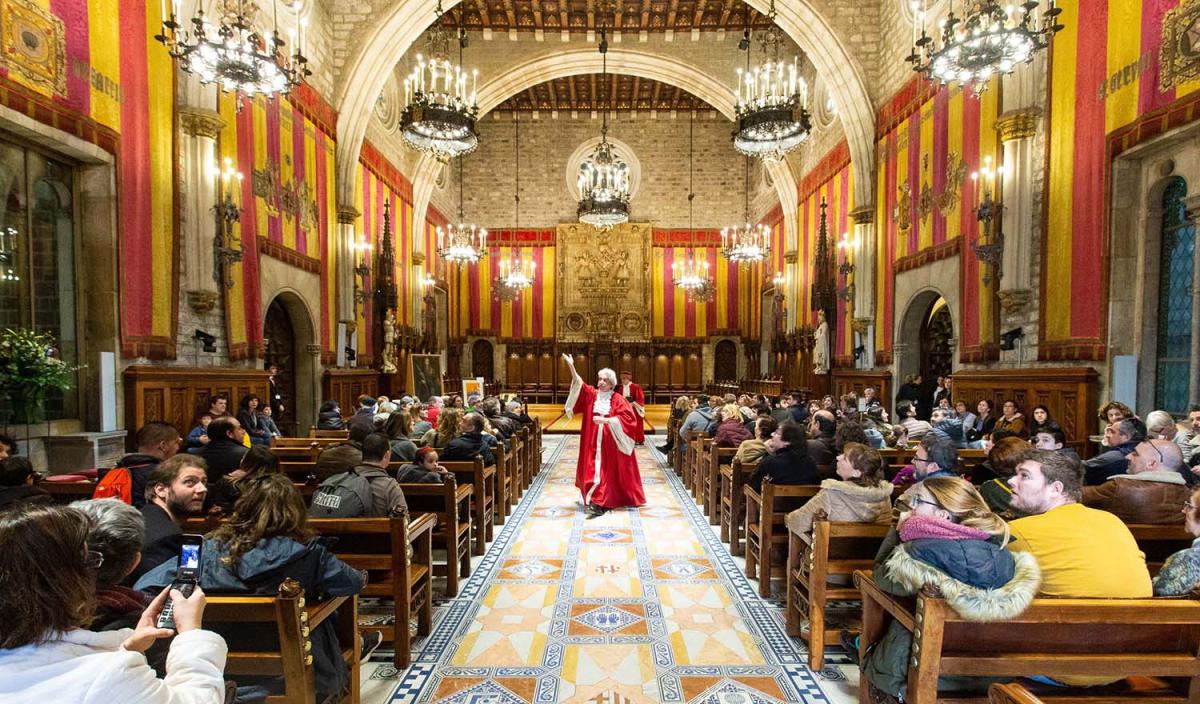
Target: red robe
[(606, 475), (634, 395)]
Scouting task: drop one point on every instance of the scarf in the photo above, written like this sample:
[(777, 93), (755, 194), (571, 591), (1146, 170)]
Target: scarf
[(931, 527)]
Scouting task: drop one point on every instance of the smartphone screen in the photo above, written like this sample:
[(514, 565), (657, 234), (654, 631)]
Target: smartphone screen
[(189, 558)]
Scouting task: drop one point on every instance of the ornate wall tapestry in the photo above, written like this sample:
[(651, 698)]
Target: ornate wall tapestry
[(604, 291), (33, 46)]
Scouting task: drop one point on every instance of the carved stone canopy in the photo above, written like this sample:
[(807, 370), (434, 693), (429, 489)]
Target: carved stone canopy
[(607, 296), (201, 122), (1014, 301), (1018, 124)]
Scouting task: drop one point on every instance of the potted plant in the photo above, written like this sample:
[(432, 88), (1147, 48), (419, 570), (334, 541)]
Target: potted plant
[(29, 366)]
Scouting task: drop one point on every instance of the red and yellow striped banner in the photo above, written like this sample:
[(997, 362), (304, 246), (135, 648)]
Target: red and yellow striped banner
[(378, 182), (837, 190), (530, 315), (675, 314)]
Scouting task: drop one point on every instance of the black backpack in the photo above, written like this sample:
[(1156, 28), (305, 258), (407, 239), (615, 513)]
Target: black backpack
[(345, 495)]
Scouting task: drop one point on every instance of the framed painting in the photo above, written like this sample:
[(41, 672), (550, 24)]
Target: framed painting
[(472, 386), (425, 375)]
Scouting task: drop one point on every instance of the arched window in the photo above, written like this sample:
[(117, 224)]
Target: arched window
[(1175, 301)]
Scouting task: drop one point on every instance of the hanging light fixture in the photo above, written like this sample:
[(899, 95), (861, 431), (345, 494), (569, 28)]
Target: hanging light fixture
[(604, 177), (232, 54), (461, 243), (771, 99), (690, 275), (439, 110), (988, 40), (745, 243), (516, 274)]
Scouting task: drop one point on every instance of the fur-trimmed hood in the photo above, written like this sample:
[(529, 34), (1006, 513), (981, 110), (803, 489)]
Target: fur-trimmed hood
[(972, 603), (881, 491)]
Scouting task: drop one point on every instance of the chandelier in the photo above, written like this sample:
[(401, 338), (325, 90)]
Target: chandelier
[(988, 40), (771, 99), (233, 55), (604, 177), (745, 243), (461, 243), (516, 274), (689, 274), (439, 112)]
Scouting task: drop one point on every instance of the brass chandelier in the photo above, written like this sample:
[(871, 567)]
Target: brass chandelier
[(439, 108), (516, 274), (690, 275), (771, 100), (604, 176)]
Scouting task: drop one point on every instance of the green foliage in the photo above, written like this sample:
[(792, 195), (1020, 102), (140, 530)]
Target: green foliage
[(29, 365)]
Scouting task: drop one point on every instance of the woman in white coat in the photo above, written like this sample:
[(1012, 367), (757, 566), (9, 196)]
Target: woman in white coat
[(46, 602)]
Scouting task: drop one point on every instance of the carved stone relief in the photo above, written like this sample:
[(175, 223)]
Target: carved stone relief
[(604, 283)]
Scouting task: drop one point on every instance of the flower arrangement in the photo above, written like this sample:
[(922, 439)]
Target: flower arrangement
[(29, 365)]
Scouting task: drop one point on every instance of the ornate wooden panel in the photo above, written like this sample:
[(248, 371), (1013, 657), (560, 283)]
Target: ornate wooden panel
[(1071, 394), (855, 380), (346, 385), (178, 394)]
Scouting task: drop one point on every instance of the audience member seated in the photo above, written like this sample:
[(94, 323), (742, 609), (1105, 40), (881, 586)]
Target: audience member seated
[(384, 408), (782, 411), (860, 494), (398, 428), (506, 426), (731, 431), (946, 538), (198, 437), (225, 447), (1180, 574), (156, 441), (8, 446), (387, 498), (1114, 411), (46, 601), (248, 416), (342, 456), (934, 457), (16, 483), (330, 417), (470, 442), (947, 426), (754, 449), (422, 424), (364, 417), (117, 532), (1151, 492), (679, 411), (1120, 437), (1052, 438), (266, 541), (1011, 421), (821, 427), (175, 490), (1041, 419), (880, 433), (916, 429), (1083, 552), (424, 469), (1161, 425), (218, 405), (788, 461), (256, 463), (448, 425), (870, 397), (847, 432), (1001, 464), (966, 417), (436, 403), (267, 417), (515, 410), (985, 421)]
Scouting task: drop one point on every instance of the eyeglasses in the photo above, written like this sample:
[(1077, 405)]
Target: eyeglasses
[(93, 560), (1188, 506), (920, 459), (1157, 452), (909, 503)]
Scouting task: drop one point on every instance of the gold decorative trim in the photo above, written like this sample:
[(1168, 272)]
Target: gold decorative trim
[(347, 214), (202, 301), (1018, 124), (860, 325), (1015, 300), (417, 258), (791, 256), (1179, 58), (351, 326), (863, 215), (201, 122)]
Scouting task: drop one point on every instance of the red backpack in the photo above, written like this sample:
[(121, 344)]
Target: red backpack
[(116, 484)]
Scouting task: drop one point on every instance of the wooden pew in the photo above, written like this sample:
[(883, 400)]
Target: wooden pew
[(287, 615), (451, 503), (832, 549), (696, 447), (296, 453), (710, 480), (733, 503), (483, 480), (1159, 542), (506, 480), (1011, 693), (765, 527), (66, 492), (314, 432), (1055, 637)]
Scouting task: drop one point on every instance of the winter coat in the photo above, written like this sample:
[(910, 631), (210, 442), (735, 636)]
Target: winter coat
[(252, 424), (403, 449), (1015, 425), (821, 450), (1111, 462), (1149, 497), (845, 502), (791, 465), (951, 429), (751, 450), (161, 543), (338, 458), (222, 456), (506, 426), (981, 428), (917, 429), (1180, 574), (365, 417), (261, 571), (731, 433), (85, 667), (193, 438), (979, 579), (464, 448), (140, 466), (24, 494), (330, 420), (696, 420), (414, 474), (387, 498)]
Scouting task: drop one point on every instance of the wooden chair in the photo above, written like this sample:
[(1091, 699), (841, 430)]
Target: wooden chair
[(1054, 637), (483, 480), (380, 546), (733, 503), (291, 619), (451, 503), (766, 531), (831, 550), (710, 482)]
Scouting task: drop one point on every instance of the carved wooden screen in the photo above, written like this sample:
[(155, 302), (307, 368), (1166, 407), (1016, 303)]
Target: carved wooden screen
[(482, 363), (725, 361)]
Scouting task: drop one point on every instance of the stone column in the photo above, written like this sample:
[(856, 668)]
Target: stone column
[(792, 289), (863, 323), (346, 215), (1016, 133), (199, 129)]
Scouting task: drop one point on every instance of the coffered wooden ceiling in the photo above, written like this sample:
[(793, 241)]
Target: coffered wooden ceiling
[(626, 15), (586, 92)]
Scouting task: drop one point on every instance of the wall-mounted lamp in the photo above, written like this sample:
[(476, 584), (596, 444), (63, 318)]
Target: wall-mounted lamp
[(227, 248), (989, 243), (362, 269), (849, 247)]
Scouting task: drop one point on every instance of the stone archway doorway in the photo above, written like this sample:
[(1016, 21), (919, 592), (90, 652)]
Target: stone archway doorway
[(925, 342), (288, 341), (937, 351)]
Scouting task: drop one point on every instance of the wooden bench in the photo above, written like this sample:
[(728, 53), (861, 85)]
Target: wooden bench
[(710, 481), (766, 531), (296, 453), (1159, 542), (1011, 694), (483, 480), (320, 442), (66, 492), (1055, 637), (733, 502), (314, 432), (451, 503), (696, 447), (291, 657), (506, 480), (833, 549)]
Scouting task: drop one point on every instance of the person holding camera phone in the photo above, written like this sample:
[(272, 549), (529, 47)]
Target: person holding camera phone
[(46, 602)]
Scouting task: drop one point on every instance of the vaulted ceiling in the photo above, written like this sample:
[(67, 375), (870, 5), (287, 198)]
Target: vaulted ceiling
[(625, 15), (586, 92)]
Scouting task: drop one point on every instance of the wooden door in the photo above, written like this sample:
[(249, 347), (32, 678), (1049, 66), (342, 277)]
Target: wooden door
[(280, 339), (482, 363), (725, 361)]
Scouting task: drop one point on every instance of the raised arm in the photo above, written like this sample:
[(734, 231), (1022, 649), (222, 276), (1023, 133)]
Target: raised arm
[(576, 385)]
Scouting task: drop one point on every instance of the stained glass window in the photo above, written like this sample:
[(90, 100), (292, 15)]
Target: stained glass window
[(1175, 301)]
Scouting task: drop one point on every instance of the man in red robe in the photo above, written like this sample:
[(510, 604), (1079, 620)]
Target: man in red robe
[(633, 394), (607, 475)]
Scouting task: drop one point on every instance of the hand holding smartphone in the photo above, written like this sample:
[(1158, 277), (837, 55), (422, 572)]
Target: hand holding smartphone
[(187, 577)]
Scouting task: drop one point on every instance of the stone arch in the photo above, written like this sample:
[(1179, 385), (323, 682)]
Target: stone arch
[(369, 69), (586, 60), (908, 328), (307, 371)]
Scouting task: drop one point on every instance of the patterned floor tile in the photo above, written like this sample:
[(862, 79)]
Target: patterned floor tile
[(533, 569), (682, 568), (472, 690), (607, 619)]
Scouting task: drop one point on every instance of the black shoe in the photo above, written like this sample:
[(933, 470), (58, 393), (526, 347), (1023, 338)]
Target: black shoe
[(849, 643), (370, 643), (594, 511), (663, 449)]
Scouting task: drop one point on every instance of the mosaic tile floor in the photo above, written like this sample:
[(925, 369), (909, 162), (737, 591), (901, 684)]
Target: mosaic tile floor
[(635, 606)]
